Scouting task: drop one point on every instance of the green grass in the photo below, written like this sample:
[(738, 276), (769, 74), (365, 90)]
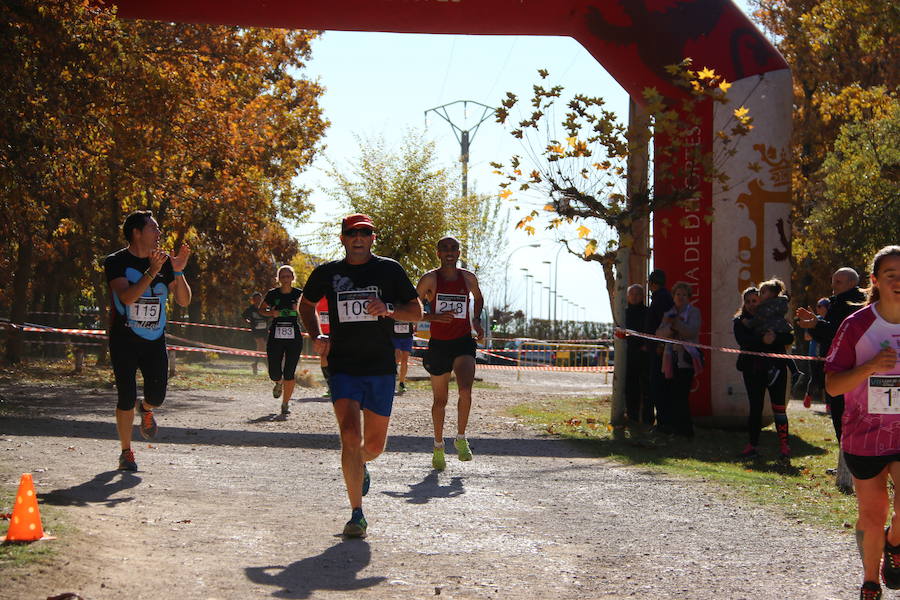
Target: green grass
[(801, 491)]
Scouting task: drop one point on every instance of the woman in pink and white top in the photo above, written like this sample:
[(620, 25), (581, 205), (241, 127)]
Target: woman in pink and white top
[(862, 365)]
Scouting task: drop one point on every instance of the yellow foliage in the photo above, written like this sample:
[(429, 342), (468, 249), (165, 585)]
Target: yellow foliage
[(583, 231)]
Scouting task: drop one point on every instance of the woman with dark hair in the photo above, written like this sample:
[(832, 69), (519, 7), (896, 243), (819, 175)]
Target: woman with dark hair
[(762, 373), (862, 365)]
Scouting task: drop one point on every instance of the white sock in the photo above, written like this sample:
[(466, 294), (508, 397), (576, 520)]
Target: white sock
[(460, 436), (438, 445)]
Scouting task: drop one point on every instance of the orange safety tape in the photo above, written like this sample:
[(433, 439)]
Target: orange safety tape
[(658, 338)]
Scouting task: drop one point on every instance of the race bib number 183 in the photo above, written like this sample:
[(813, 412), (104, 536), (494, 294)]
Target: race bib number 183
[(284, 332), (884, 394), (352, 306)]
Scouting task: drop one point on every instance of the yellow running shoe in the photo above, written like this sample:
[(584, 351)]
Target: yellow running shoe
[(437, 459), (462, 449)]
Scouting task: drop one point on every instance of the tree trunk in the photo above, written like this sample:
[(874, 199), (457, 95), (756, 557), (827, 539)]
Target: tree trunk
[(21, 278), (617, 415)]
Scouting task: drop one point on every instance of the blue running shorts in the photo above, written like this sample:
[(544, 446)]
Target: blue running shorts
[(373, 392)]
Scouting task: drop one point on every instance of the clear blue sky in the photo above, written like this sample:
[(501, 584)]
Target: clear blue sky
[(381, 84)]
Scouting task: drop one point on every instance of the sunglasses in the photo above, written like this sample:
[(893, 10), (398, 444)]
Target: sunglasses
[(358, 232)]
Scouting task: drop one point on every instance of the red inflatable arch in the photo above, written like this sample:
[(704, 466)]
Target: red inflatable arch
[(634, 40)]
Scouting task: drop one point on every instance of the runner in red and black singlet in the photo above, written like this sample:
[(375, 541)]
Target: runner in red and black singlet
[(451, 348)]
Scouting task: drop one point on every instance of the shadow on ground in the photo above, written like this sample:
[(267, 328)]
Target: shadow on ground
[(337, 569), (98, 490)]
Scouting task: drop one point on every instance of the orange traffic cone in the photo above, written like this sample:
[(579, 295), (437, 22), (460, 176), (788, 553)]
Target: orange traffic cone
[(25, 525)]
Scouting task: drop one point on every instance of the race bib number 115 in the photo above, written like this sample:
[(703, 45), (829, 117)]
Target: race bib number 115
[(884, 394), (145, 310)]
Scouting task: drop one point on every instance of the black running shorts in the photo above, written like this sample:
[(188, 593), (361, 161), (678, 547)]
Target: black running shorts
[(441, 353), (867, 467)]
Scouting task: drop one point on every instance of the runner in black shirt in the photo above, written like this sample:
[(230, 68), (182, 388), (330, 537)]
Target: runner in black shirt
[(259, 326), (140, 278), (366, 293), (285, 342)]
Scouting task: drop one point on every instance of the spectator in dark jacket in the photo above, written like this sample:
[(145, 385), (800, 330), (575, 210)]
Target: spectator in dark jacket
[(762, 373), (637, 402), (847, 299), (660, 303)]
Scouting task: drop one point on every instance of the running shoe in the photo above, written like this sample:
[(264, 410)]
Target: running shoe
[(401, 388), (126, 461), (807, 401), (462, 449), (870, 591), (749, 451), (148, 426), (276, 391), (367, 481), (890, 567), (437, 459), (356, 526), (285, 409)]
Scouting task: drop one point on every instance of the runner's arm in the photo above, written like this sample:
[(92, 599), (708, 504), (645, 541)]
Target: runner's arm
[(181, 290), (837, 383), (472, 282), (425, 288)]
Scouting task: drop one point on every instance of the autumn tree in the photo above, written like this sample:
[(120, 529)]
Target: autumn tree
[(860, 203), (205, 125), (406, 192), (843, 57), (575, 164)]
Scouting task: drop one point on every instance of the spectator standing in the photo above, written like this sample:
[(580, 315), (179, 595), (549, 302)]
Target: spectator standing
[(660, 302), (762, 373), (637, 402), (680, 362), (847, 298)]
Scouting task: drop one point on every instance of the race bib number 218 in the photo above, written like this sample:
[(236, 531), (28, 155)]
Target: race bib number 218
[(884, 395)]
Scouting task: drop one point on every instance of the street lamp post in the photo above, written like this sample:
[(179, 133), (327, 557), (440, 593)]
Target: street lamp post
[(528, 277), (506, 272), (549, 286), (538, 310)]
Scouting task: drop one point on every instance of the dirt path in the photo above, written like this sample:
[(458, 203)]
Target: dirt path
[(231, 504)]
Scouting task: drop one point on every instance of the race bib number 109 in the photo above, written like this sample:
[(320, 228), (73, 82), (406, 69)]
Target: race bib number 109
[(884, 394), (352, 306), (452, 303)]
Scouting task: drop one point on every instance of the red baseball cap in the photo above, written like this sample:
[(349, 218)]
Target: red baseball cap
[(357, 221)]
